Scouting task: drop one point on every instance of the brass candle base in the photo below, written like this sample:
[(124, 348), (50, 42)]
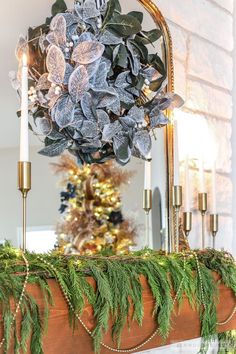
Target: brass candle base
[(147, 200), (24, 185), (187, 222), (177, 203), (202, 207), (147, 206), (214, 226)]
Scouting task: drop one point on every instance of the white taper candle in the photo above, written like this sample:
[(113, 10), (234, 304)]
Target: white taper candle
[(148, 172), (187, 206), (213, 189), (202, 186), (24, 134)]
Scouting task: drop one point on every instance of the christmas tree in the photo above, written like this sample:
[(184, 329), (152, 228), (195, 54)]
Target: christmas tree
[(91, 217)]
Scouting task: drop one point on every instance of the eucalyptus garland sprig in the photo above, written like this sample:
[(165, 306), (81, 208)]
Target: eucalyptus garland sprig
[(118, 288), (95, 87)]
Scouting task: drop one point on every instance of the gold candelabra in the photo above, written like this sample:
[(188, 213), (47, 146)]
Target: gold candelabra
[(147, 206), (187, 222), (214, 226), (24, 185), (177, 203), (202, 207)]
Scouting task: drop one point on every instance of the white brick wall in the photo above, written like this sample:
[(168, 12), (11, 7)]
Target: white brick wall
[(202, 32)]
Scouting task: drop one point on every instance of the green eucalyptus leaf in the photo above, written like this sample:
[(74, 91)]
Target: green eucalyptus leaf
[(147, 37), (140, 47), (111, 6), (124, 25), (58, 7), (157, 84), (122, 57), (137, 14), (117, 6), (157, 63)]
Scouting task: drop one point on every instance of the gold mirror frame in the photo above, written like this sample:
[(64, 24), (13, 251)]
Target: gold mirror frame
[(169, 130)]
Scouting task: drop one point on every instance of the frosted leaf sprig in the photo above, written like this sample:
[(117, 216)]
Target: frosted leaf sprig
[(98, 92)]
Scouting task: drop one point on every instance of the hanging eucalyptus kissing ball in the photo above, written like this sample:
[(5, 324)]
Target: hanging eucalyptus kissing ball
[(98, 91)]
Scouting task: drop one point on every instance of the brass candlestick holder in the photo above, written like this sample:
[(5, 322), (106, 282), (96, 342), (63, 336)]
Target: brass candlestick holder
[(24, 185), (177, 203), (187, 222), (147, 206), (214, 226), (202, 207), (147, 200)]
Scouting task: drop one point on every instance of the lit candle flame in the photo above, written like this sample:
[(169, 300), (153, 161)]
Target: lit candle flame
[(24, 59)]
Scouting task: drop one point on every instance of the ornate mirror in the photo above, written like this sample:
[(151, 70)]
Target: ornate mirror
[(45, 194)]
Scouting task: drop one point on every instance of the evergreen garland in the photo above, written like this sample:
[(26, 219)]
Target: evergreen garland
[(118, 288)]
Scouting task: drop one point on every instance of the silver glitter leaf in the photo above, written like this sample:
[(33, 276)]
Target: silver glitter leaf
[(150, 73), (72, 31), (69, 71), (103, 118), (51, 38), (92, 68), (58, 27), (121, 80), (64, 112), (89, 129), (14, 80), (78, 83), (90, 10), (122, 149), (86, 37), (78, 118), (133, 91), (87, 106), (104, 97), (99, 79), (108, 38), (55, 135), (142, 142), (70, 18), (52, 97), (125, 96), (87, 52), (56, 65), (44, 125), (158, 118), (95, 143), (108, 63), (110, 130), (43, 82), (127, 122), (137, 114), (115, 107), (54, 149)]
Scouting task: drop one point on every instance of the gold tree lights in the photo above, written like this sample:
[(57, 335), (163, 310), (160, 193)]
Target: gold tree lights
[(92, 220)]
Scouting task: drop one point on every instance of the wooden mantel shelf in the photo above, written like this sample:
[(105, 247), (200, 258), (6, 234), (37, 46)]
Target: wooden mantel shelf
[(185, 324)]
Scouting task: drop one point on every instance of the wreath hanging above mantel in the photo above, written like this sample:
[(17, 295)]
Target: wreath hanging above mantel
[(95, 89)]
